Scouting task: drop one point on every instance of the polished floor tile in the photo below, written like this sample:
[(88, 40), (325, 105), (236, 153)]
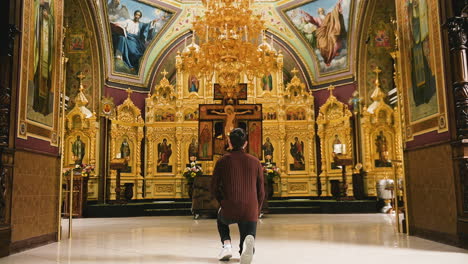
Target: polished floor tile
[(290, 239)]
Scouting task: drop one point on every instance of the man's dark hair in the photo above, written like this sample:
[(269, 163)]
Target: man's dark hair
[(237, 137), (138, 11)]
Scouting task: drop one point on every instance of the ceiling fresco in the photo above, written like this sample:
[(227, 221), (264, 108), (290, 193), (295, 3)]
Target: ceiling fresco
[(297, 25), (324, 26)]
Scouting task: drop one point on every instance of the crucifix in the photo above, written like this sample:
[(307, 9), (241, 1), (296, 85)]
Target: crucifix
[(230, 119), (220, 120)]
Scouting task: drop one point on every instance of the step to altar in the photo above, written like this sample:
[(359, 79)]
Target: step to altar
[(183, 207)]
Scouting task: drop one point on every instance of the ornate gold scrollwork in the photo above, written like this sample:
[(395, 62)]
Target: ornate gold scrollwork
[(334, 128), (126, 138), (381, 139)]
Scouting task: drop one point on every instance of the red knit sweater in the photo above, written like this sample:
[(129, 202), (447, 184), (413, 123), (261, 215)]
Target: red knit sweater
[(237, 184)]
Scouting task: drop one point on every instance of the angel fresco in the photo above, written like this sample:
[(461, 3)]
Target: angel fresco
[(116, 11), (133, 25), (325, 32)]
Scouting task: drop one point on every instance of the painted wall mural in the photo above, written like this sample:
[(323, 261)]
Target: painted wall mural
[(133, 25), (82, 57), (40, 69), (423, 77), (377, 41), (40, 93), (423, 100), (324, 26)]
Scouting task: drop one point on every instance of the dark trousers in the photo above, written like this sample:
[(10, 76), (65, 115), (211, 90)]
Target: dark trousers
[(245, 228)]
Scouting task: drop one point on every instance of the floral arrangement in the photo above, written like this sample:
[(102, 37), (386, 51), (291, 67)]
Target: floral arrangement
[(270, 171), (191, 172), (67, 171), (86, 169)]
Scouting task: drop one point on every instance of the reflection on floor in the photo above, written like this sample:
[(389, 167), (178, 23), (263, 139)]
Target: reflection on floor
[(290, 239)]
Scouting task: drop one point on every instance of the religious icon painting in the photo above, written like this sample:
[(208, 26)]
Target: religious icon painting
[(268, 150), (191, 115), (381, 147), (205, 140), (324, 26), (164, 115), (125, 152), (76, 43), (41, 103), (133, 27), (337, 147), (40, 71), (241, 92), (78, 150), (107, 107), (164, 155), (267, 83), (193, 150), (297, 153), (193, 84), (382, 39), (254, 146), (219, 140)]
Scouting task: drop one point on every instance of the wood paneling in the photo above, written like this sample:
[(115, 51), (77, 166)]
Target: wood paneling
[(431, 192), (35, 195)]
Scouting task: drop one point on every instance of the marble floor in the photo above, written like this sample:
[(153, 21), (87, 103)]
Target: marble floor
[(290, 239)]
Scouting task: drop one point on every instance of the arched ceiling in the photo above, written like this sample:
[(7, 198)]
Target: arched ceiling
[(289, 21)]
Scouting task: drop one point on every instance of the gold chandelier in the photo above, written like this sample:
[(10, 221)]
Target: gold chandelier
[(231, 43)]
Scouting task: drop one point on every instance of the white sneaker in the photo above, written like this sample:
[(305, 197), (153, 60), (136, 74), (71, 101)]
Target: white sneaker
[(247, 250), (225, 254)]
